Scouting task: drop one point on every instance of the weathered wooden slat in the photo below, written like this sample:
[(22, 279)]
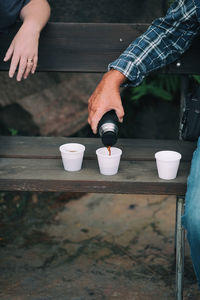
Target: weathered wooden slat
[(137, 177), (48, 147), (77, 47)]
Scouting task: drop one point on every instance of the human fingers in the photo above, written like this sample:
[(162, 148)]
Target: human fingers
[(35, 61), (95, 115), (9, 53), (120, 113), (94, 119), (29, 66), (13, 65), (22, 68), (91, 107)]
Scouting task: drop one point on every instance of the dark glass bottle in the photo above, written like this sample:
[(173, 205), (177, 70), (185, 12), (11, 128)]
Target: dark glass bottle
[(108, 128)]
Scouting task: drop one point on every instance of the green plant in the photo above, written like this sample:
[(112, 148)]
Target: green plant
[(196, 78), (157, 85), (13, 131)]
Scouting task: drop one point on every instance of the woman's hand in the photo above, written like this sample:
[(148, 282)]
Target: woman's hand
[(23, 52), (106, 97)]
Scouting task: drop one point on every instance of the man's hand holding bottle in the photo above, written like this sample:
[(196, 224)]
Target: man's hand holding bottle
[(105, 98)]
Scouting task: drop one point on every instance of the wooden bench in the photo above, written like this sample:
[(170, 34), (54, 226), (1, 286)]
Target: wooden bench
[(34, 163)]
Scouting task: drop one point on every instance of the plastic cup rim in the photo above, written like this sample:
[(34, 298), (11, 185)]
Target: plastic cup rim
[(179, 156), (109, 156), (70, 144)]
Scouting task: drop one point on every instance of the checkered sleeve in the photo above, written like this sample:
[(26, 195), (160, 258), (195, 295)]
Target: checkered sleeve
[(163, 42)]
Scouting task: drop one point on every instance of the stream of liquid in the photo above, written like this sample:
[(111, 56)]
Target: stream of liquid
[(109, 150)]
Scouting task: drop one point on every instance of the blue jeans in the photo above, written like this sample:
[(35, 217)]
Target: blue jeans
[(191, 218)]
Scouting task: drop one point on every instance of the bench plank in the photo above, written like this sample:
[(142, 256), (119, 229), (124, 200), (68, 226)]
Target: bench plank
[(34, 164), (48, 147), (80, 47), (134, 177)]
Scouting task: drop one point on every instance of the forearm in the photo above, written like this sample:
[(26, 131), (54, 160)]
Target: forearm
[(23, 50), (35, 15), (114, 78)]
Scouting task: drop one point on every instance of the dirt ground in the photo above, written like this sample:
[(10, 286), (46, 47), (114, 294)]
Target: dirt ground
[(89, 247)]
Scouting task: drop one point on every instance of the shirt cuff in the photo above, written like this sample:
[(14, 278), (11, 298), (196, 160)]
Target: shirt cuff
[(129, 70)]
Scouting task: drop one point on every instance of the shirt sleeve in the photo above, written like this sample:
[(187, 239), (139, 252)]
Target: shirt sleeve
[(26, 2), (9, 12), (163, 42)]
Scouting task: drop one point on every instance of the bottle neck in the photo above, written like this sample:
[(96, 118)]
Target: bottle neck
[(106, 127)]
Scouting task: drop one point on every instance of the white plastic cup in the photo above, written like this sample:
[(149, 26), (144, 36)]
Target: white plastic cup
[(108, 164), (72, 156), (167, 164)]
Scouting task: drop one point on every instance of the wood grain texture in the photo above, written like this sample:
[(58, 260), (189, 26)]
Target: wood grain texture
[(48, 147), (78, 47), (34, 164), (134, 177)]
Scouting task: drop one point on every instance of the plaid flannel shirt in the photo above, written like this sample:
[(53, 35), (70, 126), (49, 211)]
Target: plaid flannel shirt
[(163, 42)]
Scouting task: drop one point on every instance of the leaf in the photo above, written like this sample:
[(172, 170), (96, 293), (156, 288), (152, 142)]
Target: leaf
[(159, 86), (139, 91), (13, 131), (196, 78), (159, 92)]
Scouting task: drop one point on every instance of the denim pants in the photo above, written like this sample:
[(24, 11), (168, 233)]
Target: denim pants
[(191, 218)]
